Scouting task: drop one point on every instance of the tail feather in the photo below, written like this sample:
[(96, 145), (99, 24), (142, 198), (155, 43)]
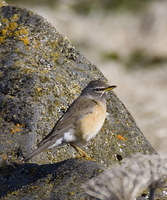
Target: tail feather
[(36, 152), (54, 138)]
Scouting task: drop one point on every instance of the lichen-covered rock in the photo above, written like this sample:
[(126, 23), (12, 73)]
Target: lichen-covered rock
[(41, 73)]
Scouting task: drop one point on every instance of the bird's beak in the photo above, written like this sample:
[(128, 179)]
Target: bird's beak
[(110, 88)]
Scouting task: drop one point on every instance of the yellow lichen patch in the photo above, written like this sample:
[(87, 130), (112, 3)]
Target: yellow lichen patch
[(17, 128), (12, 29), (36, 43), (22, 35), (55, 56), (29, 70), (4, 32), (15, 17), (72, 193), (14, 130), (4, 20), (20, 125), (13, 25), (120, 137), (3, 35), (17, 50), (22, 31), (15, 193), (38, 89), (33, 187), (25, 40), (2, 39)]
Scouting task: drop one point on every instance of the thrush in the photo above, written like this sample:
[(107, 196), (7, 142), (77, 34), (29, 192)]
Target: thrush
[(81, 122)]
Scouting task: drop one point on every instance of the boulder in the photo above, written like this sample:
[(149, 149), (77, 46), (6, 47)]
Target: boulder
[(41, 73)]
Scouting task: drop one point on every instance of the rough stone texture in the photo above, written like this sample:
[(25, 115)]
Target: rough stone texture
[(41, 73), (50, 181)]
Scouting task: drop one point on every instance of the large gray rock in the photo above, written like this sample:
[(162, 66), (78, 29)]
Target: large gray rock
[(41, 73)]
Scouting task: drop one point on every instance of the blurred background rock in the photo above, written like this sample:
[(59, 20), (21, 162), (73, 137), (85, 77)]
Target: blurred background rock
[(127, 40)]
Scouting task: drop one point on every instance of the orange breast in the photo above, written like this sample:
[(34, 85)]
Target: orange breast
[(92, 123)]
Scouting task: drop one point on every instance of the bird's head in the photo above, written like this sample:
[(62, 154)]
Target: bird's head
[(97, 90)]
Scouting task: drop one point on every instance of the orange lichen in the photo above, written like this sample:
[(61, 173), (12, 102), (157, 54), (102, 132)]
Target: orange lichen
[(120, 137), (4, 156), (20, 125), (14, 130), (17, 128), (9, 141)]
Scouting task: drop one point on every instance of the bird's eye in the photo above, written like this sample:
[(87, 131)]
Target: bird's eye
[(97, 89)]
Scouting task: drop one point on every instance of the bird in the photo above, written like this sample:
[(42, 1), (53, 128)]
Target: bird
[(81, 122)]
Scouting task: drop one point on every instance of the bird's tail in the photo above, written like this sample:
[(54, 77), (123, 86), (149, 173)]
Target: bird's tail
[(36, 152)]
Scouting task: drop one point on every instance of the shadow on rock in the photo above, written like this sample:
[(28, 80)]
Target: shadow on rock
[(60, 179)]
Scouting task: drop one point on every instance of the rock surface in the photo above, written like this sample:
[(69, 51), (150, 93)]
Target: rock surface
[(41, 73), (58, 181)]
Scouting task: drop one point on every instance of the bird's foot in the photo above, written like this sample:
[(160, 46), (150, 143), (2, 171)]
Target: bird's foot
[(82, 154)]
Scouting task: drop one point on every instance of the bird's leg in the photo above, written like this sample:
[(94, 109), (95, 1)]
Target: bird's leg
[(81, 152)]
